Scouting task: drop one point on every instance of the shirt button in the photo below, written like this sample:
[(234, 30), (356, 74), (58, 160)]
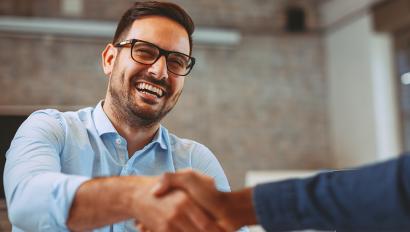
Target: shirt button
[(118, 141)]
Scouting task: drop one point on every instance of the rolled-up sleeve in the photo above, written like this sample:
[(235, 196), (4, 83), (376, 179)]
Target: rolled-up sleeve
[(38, 195)]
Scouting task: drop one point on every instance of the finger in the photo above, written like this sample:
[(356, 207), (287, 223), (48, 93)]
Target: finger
[(203, 220), (186, 223), (188, 216), (142, 228)]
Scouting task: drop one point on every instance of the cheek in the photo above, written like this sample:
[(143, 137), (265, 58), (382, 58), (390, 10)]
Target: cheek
[(178, 84), (122, 76), (126, 67)]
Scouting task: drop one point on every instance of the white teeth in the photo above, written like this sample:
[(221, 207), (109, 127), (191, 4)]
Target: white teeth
[(150, 88)]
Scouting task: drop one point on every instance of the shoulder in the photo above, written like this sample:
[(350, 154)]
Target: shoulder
[(43, 120), (200, 159), (52, 122), (54, 117), (184, 145)]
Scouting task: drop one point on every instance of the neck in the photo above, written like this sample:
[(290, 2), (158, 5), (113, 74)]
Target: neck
[(137, 136)]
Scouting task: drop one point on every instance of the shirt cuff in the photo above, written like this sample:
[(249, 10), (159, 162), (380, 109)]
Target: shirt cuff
[(276, 205)]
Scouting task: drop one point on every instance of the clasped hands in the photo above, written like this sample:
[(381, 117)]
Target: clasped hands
[(189, 201)]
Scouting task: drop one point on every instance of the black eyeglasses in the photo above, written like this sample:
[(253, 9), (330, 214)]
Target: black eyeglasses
[(148, 53)]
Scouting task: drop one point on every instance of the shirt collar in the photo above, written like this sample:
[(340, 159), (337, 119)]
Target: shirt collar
[(161, 137), (101, 121), (104, 126)]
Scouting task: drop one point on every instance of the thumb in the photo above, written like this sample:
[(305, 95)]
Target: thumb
[(183, 180), (163, 186)]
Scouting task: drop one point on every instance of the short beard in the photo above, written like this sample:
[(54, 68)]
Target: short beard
[(125, 110)]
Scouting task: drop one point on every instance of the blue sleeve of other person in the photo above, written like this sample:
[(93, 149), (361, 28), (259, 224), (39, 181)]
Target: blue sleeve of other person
[(370, 198)]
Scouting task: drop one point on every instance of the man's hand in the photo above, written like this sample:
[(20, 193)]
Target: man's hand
[(107, 200), (232, 210), (173, 212)]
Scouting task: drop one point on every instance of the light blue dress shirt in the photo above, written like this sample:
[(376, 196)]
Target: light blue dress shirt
[(54, 152)]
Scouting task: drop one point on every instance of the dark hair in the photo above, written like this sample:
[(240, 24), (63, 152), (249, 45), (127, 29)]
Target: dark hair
[(166, 9)]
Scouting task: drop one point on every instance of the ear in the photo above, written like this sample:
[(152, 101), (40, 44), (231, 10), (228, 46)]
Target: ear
[(108, 57)]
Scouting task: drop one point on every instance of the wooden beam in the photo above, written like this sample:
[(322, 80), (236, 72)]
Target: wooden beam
[(100, 29)]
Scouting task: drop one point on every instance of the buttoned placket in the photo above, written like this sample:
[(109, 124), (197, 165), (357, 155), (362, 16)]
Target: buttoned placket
[(122, 152)]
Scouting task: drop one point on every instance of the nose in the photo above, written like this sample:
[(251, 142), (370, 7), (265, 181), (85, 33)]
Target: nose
[(159, 69)]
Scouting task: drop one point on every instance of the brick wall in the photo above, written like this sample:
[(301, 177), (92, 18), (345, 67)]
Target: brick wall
[(256, 16), (260, 104)]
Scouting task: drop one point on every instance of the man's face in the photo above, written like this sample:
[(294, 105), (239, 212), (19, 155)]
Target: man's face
[(142, 93)]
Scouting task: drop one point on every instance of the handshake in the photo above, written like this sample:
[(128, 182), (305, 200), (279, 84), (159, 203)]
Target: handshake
[(189, 201)]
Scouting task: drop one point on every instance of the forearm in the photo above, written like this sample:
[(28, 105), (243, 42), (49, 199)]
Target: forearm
[(104, 201)]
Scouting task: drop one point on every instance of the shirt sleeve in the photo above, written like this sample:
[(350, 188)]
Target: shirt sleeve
[(38, 195), (371, 198)]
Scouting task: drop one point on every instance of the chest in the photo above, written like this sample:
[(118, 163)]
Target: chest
[(98, 157)]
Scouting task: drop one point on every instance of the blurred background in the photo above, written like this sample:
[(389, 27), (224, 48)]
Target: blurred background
[(279, 85)]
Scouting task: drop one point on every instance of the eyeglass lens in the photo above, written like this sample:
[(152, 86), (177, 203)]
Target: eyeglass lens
[(147, 54)]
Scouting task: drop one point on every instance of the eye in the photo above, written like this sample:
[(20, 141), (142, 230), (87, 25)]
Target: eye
[(178, 60), (144, 51)]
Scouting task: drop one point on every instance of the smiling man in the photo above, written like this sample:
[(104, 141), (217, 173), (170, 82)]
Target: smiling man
[(93, 169)]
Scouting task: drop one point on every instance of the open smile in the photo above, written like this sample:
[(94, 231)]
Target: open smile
[(151, 89)]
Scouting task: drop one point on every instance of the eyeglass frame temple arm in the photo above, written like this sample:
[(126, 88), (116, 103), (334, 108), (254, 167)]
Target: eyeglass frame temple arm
[(125, 42)]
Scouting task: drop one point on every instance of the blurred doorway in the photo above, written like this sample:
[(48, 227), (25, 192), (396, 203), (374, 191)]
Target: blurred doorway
[(392, 16), (8, 127)]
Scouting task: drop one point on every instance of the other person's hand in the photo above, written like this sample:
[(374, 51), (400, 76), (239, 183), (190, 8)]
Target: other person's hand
[(173, 212), (231, 210)]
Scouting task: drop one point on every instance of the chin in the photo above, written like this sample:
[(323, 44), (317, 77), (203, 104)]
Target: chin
[(146, 117)]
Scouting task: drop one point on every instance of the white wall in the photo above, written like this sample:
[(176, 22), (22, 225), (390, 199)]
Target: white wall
[(362, 99), (385, 96)]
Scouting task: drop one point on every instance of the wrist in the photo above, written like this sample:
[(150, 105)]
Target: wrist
[(239, 210)]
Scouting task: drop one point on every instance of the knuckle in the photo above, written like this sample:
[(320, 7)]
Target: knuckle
[(180, 205), (166, 176), (178, 210), (191, 175), (211, 181), (184, 201), (188, 173)]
